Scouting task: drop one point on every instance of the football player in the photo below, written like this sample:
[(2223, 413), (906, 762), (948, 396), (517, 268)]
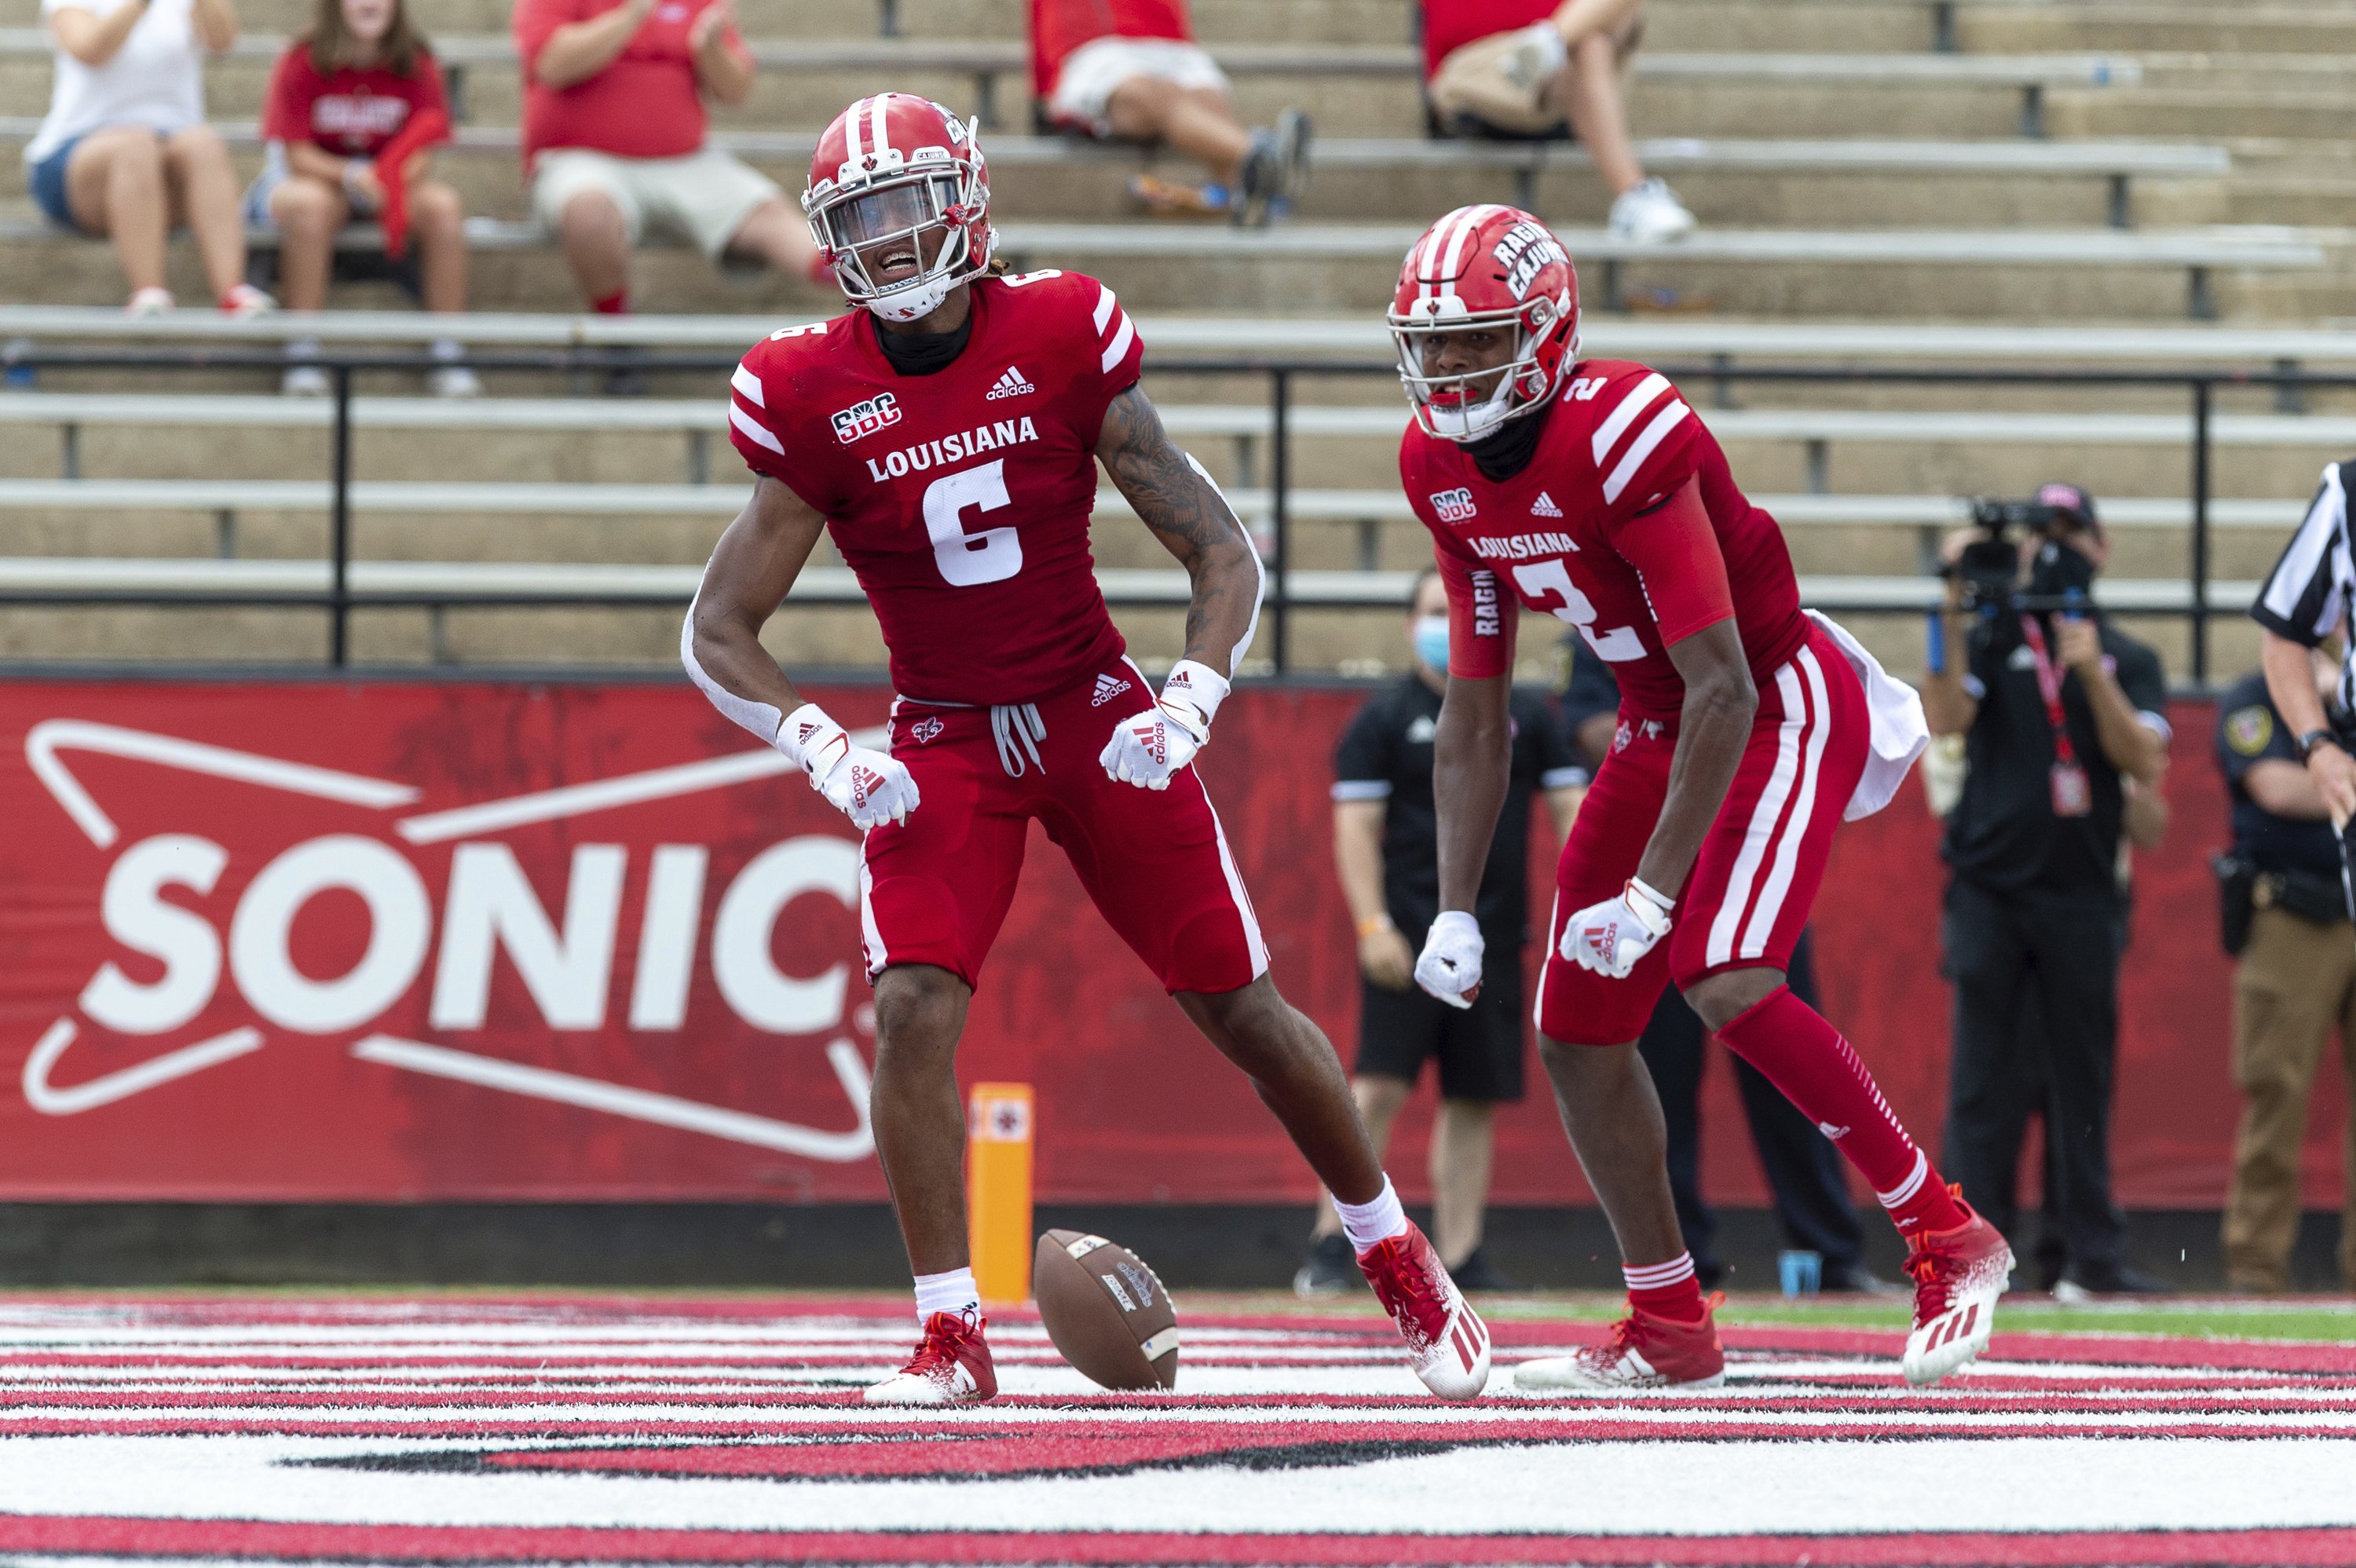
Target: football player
[(1589, 490), (946, 435)]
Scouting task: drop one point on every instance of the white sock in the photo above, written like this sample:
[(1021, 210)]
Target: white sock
[(952, 1292), (1369, 1223), (447, 348)]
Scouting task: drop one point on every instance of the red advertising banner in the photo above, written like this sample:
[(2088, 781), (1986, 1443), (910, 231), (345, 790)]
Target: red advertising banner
[(377, 941)]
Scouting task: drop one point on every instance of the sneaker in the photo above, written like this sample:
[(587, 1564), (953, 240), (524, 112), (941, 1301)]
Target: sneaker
[(1642, 1352), (1477, 1272), (1445, 1337), (454, 381), (1650, 213), (304, 381), (951, 1367), (1330, 1271), (1294, 131), (2079, 1285), (149, 302), (1856, 1279), (1958, 1273), (1258, 183), (246, 300)]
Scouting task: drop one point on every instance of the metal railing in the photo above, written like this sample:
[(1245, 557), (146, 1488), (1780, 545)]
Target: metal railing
[(1282, 377)]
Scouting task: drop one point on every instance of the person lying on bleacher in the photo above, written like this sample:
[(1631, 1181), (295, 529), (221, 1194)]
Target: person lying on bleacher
[(1131, 71), (614, 122), (1537, 69), (124, 154), (355, 107)]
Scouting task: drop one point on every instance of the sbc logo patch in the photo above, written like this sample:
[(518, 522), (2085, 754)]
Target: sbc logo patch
[(865, 419), (1453, 505)]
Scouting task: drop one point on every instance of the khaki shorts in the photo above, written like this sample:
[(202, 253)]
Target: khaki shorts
[(703, 198), (1473, 84), (1092, 73)]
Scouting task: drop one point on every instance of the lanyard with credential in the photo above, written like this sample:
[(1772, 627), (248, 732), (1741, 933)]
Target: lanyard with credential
[(2073, 794)]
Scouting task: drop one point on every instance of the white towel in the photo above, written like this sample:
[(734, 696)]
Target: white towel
[(1899, 732)]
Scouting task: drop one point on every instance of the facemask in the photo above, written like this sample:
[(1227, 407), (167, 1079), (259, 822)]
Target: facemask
[(2059, 570), (1431, 640)]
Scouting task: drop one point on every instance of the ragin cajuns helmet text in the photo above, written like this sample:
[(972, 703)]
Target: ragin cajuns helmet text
[(1480, 269), (891, 171)]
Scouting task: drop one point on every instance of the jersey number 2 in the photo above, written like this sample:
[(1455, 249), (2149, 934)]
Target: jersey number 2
[(1620, 645), (968, 560)]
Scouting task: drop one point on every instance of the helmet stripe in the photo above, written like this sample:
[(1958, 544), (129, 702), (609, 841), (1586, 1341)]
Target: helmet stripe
[(851, 149), (877, 133)]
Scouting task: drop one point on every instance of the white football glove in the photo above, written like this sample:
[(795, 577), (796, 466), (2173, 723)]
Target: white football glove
[(865, 785), (1537, 53), (1147, 748), (1450, 967), (1611, 936)]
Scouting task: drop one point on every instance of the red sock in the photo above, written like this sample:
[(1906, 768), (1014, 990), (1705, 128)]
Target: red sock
[(1667, 1290), (1805, 1057), (616, 304)]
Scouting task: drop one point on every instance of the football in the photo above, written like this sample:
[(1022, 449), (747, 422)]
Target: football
[(1106, 1311)]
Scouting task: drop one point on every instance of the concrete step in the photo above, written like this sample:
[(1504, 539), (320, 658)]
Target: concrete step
[(2197, 113), (2262, 27)]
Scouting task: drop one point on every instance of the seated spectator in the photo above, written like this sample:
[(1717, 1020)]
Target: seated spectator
[(125, 152), (1131, 71), (360, 88), (614, 124), (1516, 69)]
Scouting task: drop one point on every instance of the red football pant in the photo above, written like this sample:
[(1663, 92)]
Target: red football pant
[(1748, 896), (936, 889)]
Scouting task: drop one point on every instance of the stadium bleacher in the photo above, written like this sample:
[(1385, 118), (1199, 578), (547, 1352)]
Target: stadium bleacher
[(2069, 183)]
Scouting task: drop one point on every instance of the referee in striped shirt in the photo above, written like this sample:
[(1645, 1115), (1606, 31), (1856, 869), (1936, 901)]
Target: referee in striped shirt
[(2304, 603)]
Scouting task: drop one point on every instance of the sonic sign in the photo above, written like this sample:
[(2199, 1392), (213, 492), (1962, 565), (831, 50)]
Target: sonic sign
[(414, 941)]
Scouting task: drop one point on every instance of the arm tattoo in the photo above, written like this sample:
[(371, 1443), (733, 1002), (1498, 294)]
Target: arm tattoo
[(1187, 513)]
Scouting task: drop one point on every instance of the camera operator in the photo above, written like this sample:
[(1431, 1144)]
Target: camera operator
[(2058, 710)]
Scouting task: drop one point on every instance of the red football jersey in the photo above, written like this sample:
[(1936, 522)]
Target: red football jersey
[(1059, 26), (351, 113), (960, 498), (1574, 533)]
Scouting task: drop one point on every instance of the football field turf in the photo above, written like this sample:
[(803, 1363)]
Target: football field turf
[(469, 1428)]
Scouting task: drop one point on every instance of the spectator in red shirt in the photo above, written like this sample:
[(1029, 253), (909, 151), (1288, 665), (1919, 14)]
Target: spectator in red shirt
[(1520, 68), (613, 128), (1130, 69), (340, 94)]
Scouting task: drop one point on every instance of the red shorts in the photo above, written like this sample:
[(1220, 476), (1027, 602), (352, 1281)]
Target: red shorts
[(1748, 898), (936, 889)]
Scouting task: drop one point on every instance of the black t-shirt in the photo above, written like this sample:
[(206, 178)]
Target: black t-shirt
[(2003, 832), (1587, 687), (1385, 755), (2250, 731)]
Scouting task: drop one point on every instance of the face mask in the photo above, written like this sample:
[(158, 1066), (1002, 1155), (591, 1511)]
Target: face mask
[(1430, 638), (2060, 570)]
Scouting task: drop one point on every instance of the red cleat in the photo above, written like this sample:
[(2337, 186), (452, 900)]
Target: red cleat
[(951, 1367), (1643, 1353), (1958, 1275), (1445, 1337)]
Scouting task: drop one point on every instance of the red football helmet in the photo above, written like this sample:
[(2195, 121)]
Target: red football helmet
[(1484, 269), (890, 170)]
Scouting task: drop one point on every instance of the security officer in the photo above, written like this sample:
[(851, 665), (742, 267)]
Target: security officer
[(2286, 922), (1805, 1174), (2303, 605), (1385, 845), (2057, 710)]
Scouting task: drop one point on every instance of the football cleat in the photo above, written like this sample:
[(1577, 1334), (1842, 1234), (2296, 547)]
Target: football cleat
[(1642, 1353), (1445, 1337), (1958, 1273), (951, 1367)]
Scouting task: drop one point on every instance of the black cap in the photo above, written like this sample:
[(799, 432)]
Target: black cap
[(2073, 500)]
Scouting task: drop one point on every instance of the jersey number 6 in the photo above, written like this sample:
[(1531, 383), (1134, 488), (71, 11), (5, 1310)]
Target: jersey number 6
[(968, 560), (1620, 645)]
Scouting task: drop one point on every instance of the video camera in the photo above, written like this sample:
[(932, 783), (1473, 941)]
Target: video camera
[(2059, 578)]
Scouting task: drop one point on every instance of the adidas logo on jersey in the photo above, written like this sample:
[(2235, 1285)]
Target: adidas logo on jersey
[(1009, 385), (1107, 689), (1544, 507)]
